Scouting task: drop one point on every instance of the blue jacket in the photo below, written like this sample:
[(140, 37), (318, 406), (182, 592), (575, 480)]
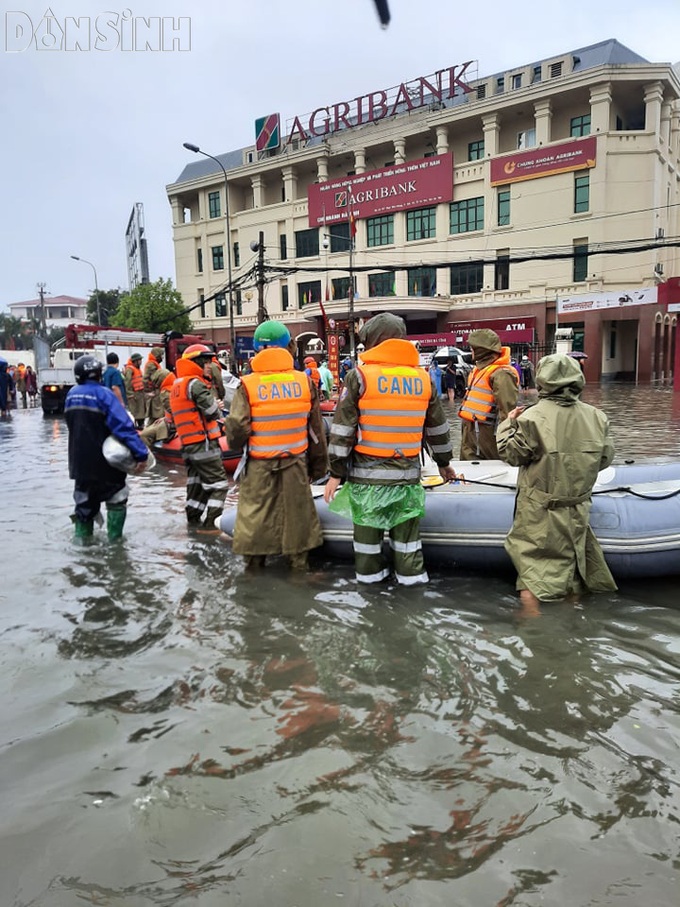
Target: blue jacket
[(113, 378), (93, 412)]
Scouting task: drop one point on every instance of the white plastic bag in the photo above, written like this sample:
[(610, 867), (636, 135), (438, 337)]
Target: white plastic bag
[(120, 457)]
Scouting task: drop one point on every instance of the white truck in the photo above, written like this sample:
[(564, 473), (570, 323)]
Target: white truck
[(57, 380)]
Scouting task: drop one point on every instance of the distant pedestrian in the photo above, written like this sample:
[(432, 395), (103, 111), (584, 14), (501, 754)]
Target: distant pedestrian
[(31, 385), (436, 376), (326, 380), (6, 388), (113, 379), (20, 382), (527, 373)]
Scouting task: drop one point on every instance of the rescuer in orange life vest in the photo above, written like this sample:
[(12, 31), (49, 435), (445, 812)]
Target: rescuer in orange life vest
[(275, 412), (195, 412), (134, 389), (491, 393), (387, 408)]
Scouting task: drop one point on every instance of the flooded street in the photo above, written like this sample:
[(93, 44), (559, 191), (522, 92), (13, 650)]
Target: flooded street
[(177, 733)]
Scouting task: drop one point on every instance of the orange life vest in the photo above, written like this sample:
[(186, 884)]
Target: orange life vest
[(137, 377), (479, 404), (314, 374), (393, 406), (192, 426), (280, 402)]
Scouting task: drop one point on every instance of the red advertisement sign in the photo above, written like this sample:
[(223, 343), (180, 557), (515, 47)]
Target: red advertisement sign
[(519, 331), (528, 165), (333, 356), (413, 184)]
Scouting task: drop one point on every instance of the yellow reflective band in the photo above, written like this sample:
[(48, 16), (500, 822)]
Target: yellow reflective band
[(399, 370), (282, 376)]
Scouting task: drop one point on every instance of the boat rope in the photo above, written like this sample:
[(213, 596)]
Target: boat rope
[(622, 488), (638, 494)]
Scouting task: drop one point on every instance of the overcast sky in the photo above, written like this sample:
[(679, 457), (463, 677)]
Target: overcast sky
[(89, 133)]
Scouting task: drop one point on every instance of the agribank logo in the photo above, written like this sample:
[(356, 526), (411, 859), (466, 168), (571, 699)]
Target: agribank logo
[(105, 32)]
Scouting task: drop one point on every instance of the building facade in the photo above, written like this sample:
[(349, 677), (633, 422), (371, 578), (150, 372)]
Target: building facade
[(535, 200), (51, 312)]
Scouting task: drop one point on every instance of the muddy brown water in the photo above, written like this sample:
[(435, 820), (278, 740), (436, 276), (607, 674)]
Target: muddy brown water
[(176, 732)]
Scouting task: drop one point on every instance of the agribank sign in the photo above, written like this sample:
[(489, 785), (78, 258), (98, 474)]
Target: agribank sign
[(440, 87), (413, 184)]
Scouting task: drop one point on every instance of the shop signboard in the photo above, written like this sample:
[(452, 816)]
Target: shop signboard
[(579, 154), (593, 302), (521, 330), (413, 184)]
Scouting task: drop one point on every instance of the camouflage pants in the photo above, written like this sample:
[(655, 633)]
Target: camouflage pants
[(407, 554), (207, 485)]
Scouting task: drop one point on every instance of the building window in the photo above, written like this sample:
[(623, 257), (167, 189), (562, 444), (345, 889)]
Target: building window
[(340, 287), (199, 260), (214, 207), (238, 303), (581, 192), (476, 150), (237, 255), (555, 70), (517, 80), (283, 246), (381, 284), (339, 237), (201, 297), (580, 260), (502, 271), (536, 75), (526, 139), (500, 85), (422, 281), (503, 207), (284, 297), (579, 126), (309, 292), (421, 224), (306, 243), (220, 305), (380, 230), (467, 278), (481, 92), (467, 215), (218, 258)]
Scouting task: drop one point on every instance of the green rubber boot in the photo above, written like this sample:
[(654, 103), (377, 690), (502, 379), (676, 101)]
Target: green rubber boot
[(84, 528), (115, 520)]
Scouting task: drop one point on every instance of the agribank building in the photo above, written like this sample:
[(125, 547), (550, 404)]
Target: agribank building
[(541, 198)]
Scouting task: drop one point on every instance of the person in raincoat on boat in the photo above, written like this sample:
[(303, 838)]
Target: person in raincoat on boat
[(560, 445), (387, 409), (275, 416)]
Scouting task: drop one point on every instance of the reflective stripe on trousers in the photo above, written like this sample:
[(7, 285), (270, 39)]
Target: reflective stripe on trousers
[(207, 485), (407, 554)]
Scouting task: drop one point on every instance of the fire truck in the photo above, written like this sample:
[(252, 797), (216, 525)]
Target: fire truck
[(55, 382)]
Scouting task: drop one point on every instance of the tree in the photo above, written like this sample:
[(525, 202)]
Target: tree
[(109, 300), (154, 306), (15, 334)]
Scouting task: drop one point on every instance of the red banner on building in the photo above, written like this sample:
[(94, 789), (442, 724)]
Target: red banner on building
[(528, 165), (520, 331), (413, 184)]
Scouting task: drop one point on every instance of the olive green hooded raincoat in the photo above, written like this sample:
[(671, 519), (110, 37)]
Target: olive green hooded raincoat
[(560, 444)]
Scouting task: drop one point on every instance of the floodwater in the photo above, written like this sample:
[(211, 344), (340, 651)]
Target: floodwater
[(177, 733)]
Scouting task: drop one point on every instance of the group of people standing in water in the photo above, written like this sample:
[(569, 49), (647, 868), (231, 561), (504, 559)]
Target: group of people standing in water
[(388, 410)]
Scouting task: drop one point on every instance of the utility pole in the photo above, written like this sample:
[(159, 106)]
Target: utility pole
[(261, 310)]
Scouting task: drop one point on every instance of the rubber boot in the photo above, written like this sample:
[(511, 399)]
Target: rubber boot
[(84, 528), (115, 520)]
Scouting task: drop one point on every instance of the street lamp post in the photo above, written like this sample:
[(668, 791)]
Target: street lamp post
[(96, 284), (227, 229), (350, 291)]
